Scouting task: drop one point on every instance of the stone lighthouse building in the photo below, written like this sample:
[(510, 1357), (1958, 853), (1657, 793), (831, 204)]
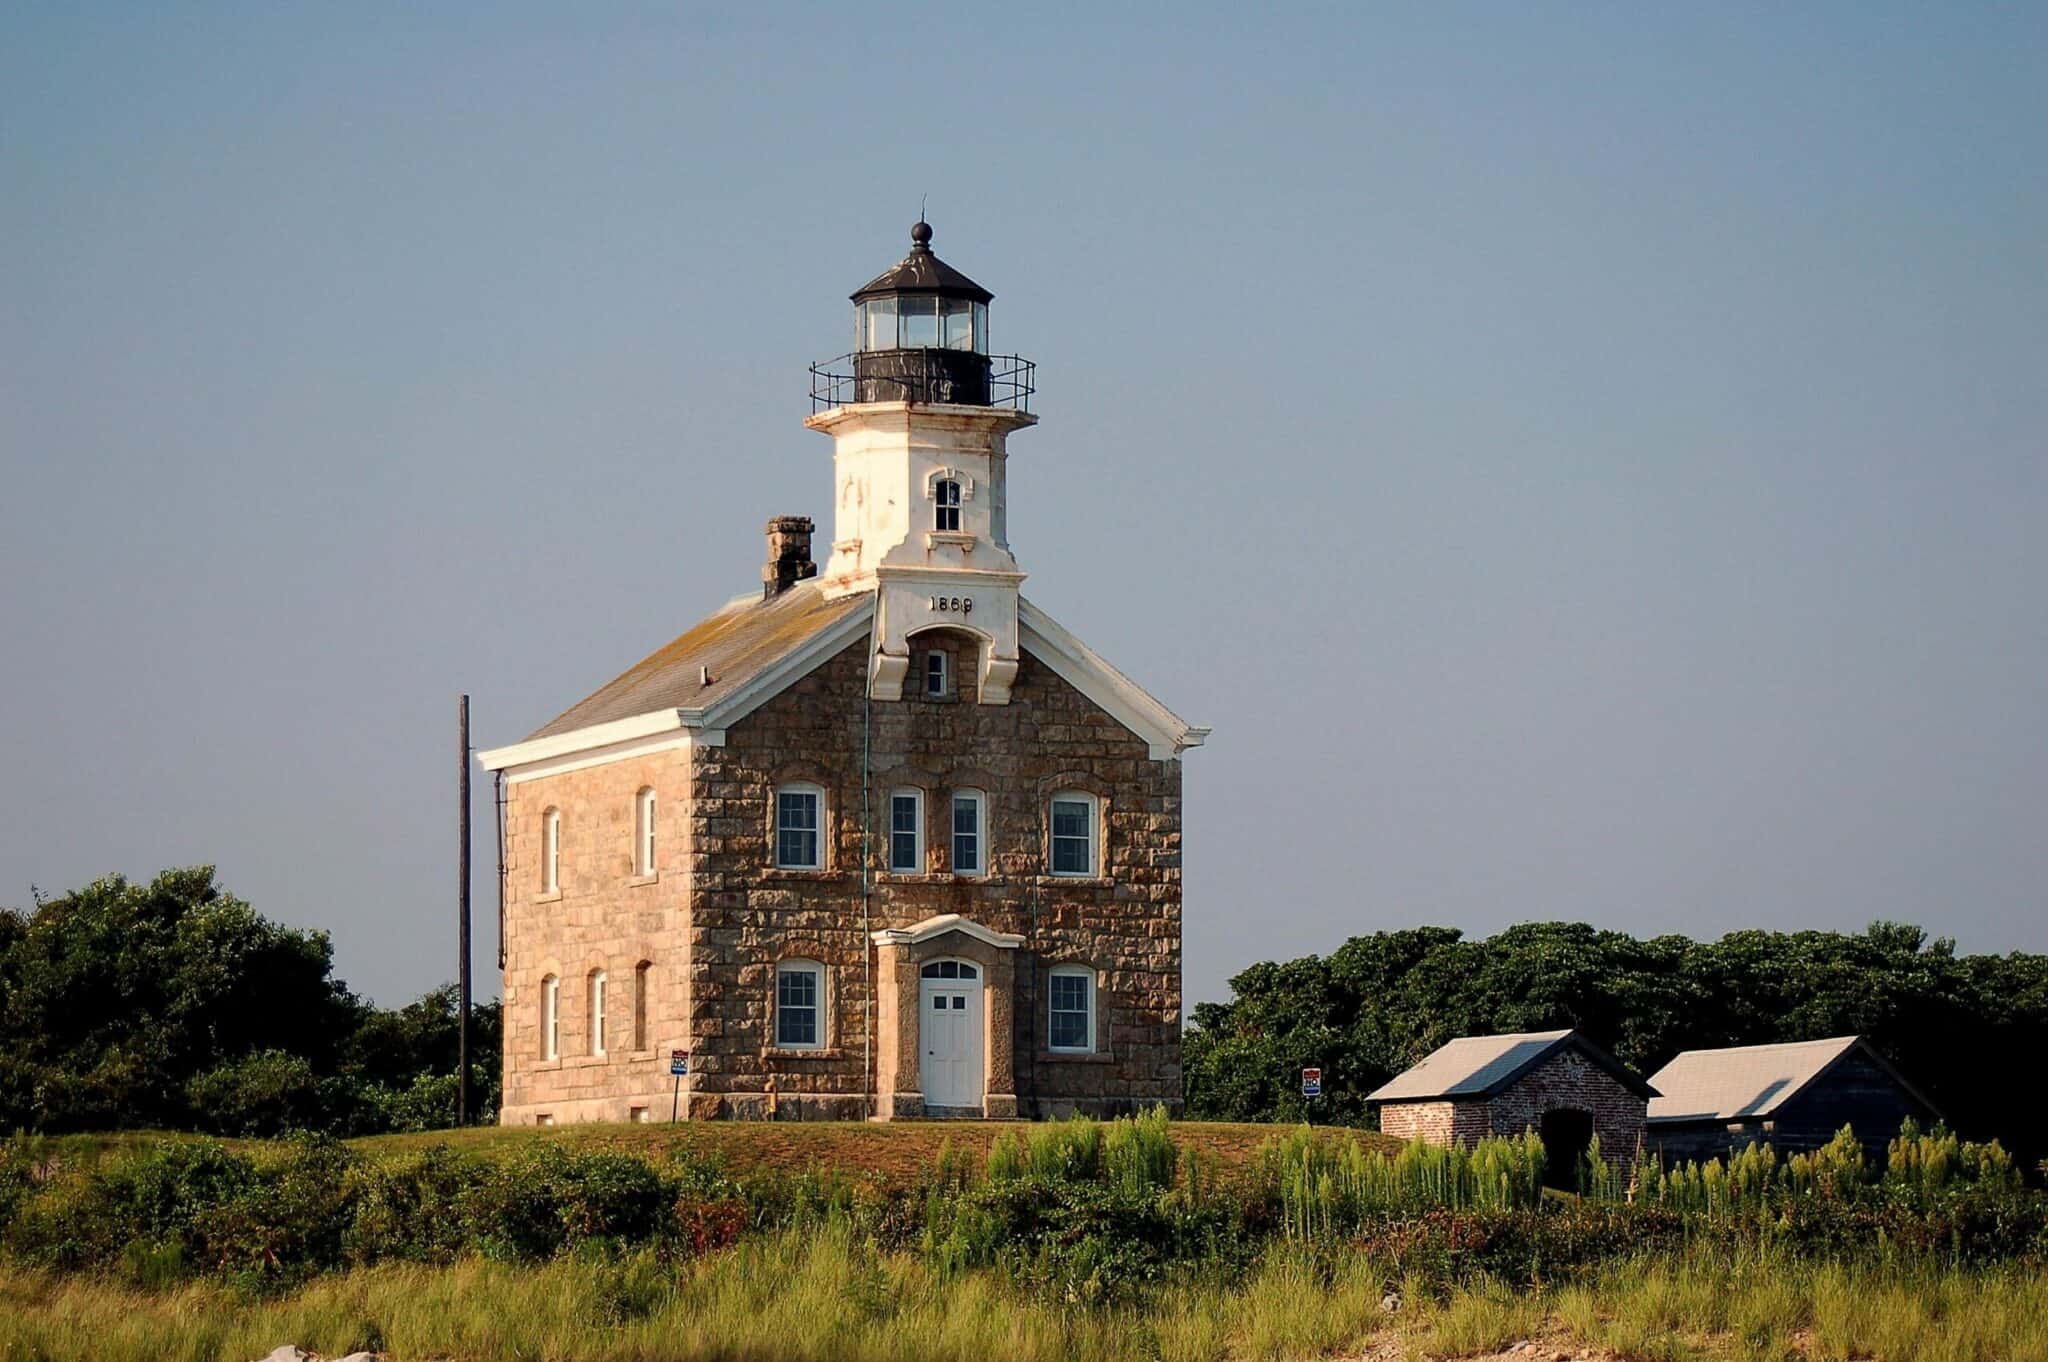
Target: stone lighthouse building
[(880, 840)]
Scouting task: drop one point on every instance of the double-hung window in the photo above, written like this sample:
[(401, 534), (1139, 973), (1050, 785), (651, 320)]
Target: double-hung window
[(799, 825), (799, 1005), (969, 853), (906, 832), (1070, 1006), (935, 673), (946, 505), (1073, 834)]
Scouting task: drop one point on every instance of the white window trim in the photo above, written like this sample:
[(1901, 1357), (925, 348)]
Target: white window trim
[(917, 860), (598, 1002), (798, 965), (1094, 803), (1071, 972), (980, 802), (551, 1017), (551, 851), (945, 661), (775, 823), (643, 831)]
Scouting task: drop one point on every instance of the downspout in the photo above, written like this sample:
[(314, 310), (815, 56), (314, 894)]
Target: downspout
[(498, 803), (867, 945)]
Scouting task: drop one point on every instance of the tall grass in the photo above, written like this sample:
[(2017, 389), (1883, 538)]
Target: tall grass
[(1327, 1187), (826, 1295)]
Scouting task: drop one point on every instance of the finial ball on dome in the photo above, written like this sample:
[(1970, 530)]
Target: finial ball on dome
[(921, 233)]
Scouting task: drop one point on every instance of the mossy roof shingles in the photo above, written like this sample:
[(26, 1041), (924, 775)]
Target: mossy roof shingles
[(734, 646)]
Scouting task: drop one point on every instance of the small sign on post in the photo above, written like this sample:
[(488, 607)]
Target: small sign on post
[(1311, 1082), (679, 1065)]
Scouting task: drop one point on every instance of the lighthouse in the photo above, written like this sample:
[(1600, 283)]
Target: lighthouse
[(920, 416)]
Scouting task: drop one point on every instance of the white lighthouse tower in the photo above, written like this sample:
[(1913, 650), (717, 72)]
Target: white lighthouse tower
[(920, 415)]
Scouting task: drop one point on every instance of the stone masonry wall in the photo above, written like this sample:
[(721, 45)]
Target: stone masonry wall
[(604, 916), (746, 915)]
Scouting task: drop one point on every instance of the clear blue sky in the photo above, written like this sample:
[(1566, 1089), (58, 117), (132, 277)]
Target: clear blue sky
[(1587, 461)]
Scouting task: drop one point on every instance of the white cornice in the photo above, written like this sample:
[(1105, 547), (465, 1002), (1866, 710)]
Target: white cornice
[(580, 739), (1085, 670), (939, 926)]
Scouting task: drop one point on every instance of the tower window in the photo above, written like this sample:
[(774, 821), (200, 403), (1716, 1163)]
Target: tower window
[(906, 832), (935, 673), (946, 495), (967, 834), (799, 817), (597, 986)]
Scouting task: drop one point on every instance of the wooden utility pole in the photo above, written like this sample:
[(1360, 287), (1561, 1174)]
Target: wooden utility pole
[(462, 920)]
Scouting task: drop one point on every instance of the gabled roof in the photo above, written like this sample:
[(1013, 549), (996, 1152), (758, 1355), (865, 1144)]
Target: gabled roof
[(752, 649), (735, 645), (1479, 1066), (1753, 1081)]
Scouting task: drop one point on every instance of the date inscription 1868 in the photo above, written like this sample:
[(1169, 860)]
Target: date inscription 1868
[(957, 605)]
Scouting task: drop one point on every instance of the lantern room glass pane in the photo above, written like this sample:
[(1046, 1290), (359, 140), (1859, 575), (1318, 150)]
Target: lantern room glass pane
[(880, 330), (981, 328), (959, 324), (918, 322)]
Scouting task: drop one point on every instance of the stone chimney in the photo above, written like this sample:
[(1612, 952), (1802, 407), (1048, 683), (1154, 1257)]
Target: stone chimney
[(789, 555)]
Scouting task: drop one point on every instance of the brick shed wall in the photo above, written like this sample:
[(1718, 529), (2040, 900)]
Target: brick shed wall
[(1618, 1114), (1442, 1123)]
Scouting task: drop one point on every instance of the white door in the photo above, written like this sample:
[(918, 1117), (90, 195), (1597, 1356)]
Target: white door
[(949, 1039)]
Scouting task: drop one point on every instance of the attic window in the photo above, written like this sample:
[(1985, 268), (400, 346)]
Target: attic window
[(946, 509)]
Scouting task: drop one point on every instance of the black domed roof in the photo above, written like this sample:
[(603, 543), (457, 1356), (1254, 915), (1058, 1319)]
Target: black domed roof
[(922, 272)]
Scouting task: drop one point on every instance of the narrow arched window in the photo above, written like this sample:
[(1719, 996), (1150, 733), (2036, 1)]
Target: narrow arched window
[(551, 851), (1074, 817), (640, 1003), (946, 505), (1070, 1008), (550, 1017), (643, 832), (799, 1005), (799, 827), (597, 986)]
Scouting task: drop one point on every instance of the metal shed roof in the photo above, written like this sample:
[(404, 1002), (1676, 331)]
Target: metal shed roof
[(1478, 1066), (1751, 1081)]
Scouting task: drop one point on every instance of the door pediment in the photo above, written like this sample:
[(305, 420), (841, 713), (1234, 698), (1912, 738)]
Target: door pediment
[(934, 927)]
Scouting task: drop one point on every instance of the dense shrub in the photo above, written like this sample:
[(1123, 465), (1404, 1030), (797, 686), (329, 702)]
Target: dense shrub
[(1087, 1213)]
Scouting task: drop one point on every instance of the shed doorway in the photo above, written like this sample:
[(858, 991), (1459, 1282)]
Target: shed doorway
[(1567, 1134)]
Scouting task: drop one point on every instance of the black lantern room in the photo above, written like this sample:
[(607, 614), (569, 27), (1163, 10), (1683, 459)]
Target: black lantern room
[(921, 332)]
